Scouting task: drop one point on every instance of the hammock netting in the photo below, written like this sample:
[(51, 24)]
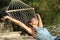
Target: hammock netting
[(20, 11), (17, 4)]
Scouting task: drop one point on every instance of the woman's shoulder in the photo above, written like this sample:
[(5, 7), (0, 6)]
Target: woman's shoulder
[(41, 28)]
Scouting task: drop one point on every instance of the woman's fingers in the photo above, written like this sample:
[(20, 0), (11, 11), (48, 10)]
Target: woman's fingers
[(37, 15), (4, 18)]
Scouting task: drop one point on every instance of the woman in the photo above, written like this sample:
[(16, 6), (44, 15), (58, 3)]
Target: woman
[(41, 33)]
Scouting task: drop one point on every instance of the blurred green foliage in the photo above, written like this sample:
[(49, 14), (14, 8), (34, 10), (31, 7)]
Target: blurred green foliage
[(48, 9)]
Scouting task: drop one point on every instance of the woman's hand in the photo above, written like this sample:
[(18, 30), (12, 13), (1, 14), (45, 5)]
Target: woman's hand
[(4, 18), (40, 24), (37, 15)]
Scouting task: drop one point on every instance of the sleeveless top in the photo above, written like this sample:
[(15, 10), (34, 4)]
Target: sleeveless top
[(43, 34)]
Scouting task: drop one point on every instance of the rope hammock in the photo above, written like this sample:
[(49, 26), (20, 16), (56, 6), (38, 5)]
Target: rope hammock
[(20, 11)]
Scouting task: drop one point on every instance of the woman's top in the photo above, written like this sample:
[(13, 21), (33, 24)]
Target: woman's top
[(43, 34)]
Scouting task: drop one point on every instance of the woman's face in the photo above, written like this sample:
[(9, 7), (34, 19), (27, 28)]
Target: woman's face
[(34, 21)]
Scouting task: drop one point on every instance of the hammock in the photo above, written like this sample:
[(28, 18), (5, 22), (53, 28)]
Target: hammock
[(20, 11)]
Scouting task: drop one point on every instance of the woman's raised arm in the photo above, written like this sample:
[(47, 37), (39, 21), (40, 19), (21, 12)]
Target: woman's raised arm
[(40, 24), (29, 30)]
